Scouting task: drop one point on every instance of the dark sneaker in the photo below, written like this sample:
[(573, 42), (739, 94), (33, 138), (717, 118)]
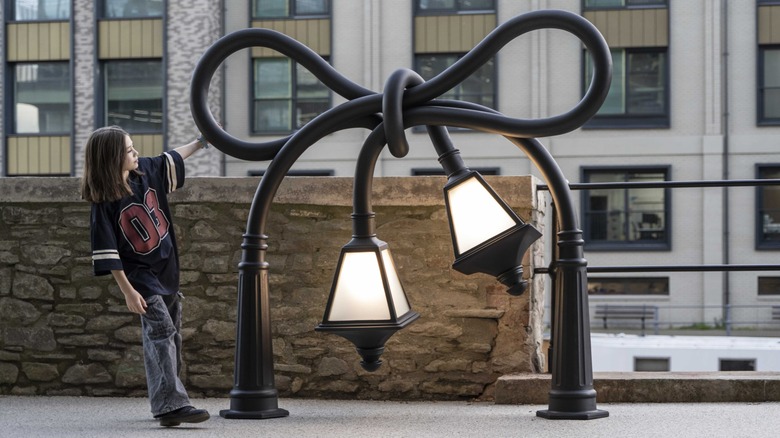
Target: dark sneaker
[(187, 414)]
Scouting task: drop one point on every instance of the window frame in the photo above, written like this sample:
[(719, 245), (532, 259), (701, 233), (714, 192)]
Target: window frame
[(296, 172), (626, 245), (101, 105), (453, 11), (458, 56), (627, 120), (585, 7), (762, 120), (292, 14), (438, 171), (11, 99), (733, 364), (11, 11), (293, 98), (768, 279), (102, 9), (762, 244), (662, 279), (652, 360)]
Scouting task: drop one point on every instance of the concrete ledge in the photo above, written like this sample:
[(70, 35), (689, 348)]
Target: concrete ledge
[(517, 191), (673, 387)]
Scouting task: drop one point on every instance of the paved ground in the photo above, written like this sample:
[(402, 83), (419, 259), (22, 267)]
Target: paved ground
[(30, 417)]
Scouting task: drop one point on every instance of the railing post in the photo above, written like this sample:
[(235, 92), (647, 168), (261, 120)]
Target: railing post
[(727, 322)]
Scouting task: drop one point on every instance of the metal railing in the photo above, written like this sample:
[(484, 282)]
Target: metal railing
[(727, 321), (671, 318)]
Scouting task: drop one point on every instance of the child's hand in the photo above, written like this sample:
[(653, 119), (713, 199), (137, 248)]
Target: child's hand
[(135, 302)]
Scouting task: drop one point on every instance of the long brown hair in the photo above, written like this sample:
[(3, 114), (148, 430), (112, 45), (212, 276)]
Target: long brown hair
[(104, 157)]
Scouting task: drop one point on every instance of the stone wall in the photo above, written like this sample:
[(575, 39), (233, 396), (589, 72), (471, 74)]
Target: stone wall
[(65, 332)]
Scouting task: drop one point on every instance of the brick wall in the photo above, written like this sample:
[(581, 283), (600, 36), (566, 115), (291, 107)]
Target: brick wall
[(65, 332)]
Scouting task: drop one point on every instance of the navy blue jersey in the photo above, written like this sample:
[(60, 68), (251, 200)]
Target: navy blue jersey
[(135, 233)]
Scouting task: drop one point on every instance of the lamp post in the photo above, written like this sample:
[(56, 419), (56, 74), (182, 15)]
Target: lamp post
[(407, 101)]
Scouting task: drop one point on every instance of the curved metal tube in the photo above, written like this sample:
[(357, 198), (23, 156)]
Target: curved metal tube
[(459, 71)]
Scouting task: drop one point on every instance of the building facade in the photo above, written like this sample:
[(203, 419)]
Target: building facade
[(695, 96)]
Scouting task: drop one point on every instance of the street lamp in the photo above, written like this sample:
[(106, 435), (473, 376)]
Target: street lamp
[(367, 302), (487, 235), (254, 395)]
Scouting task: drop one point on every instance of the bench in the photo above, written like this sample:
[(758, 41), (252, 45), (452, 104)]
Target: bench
[(775, 312), (643, 312)]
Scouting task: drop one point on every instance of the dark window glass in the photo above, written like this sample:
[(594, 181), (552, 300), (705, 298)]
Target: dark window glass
[(40, 10), (628, 286), (42, 98), (618, 4), (134, 95), (478, 88), (286, 95), (769, 85), (638, 92), (737, 365), (656, 364), (436, 171), (289, 8), (769, 285), (295, 172), (133, 8), (768, 209), (454, 6), (619, 217)]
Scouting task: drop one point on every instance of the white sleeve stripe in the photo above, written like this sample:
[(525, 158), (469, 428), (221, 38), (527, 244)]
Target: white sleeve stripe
[(172, 182), (105, 251), (108, 256)]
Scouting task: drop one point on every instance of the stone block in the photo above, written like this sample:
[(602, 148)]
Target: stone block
[(32, 338), (9, 373), (27, 286), (17, 312), (40, 372), (86, 374)]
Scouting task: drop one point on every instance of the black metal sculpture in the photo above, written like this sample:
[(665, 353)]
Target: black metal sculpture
[(408, 101)]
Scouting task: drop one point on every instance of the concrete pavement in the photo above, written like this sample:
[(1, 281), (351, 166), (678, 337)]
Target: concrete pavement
[(83, 417)]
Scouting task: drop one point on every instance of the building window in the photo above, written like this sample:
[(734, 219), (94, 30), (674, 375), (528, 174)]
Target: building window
[(41, 10), (628, 218), (41, 96), (289, 8), (134, 95), (769, 86), (296, 172), (628, 286), (133, 8), (654, 364), (440, 7), (620, 4), (638, 96), (478, 88), (768, 217), (286, 96), (737, 364), (769, 285), (438, 171)]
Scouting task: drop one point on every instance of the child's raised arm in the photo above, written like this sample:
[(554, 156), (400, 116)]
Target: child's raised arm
[(190, 148)]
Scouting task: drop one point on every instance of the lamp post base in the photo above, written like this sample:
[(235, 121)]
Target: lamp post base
[(253, 415), (562, 415), (256, 404)]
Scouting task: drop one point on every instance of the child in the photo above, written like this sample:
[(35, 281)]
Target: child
[(133, 239)]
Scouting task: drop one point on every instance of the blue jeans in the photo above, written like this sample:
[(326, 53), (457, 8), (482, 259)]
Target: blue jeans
[(161, 326)]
